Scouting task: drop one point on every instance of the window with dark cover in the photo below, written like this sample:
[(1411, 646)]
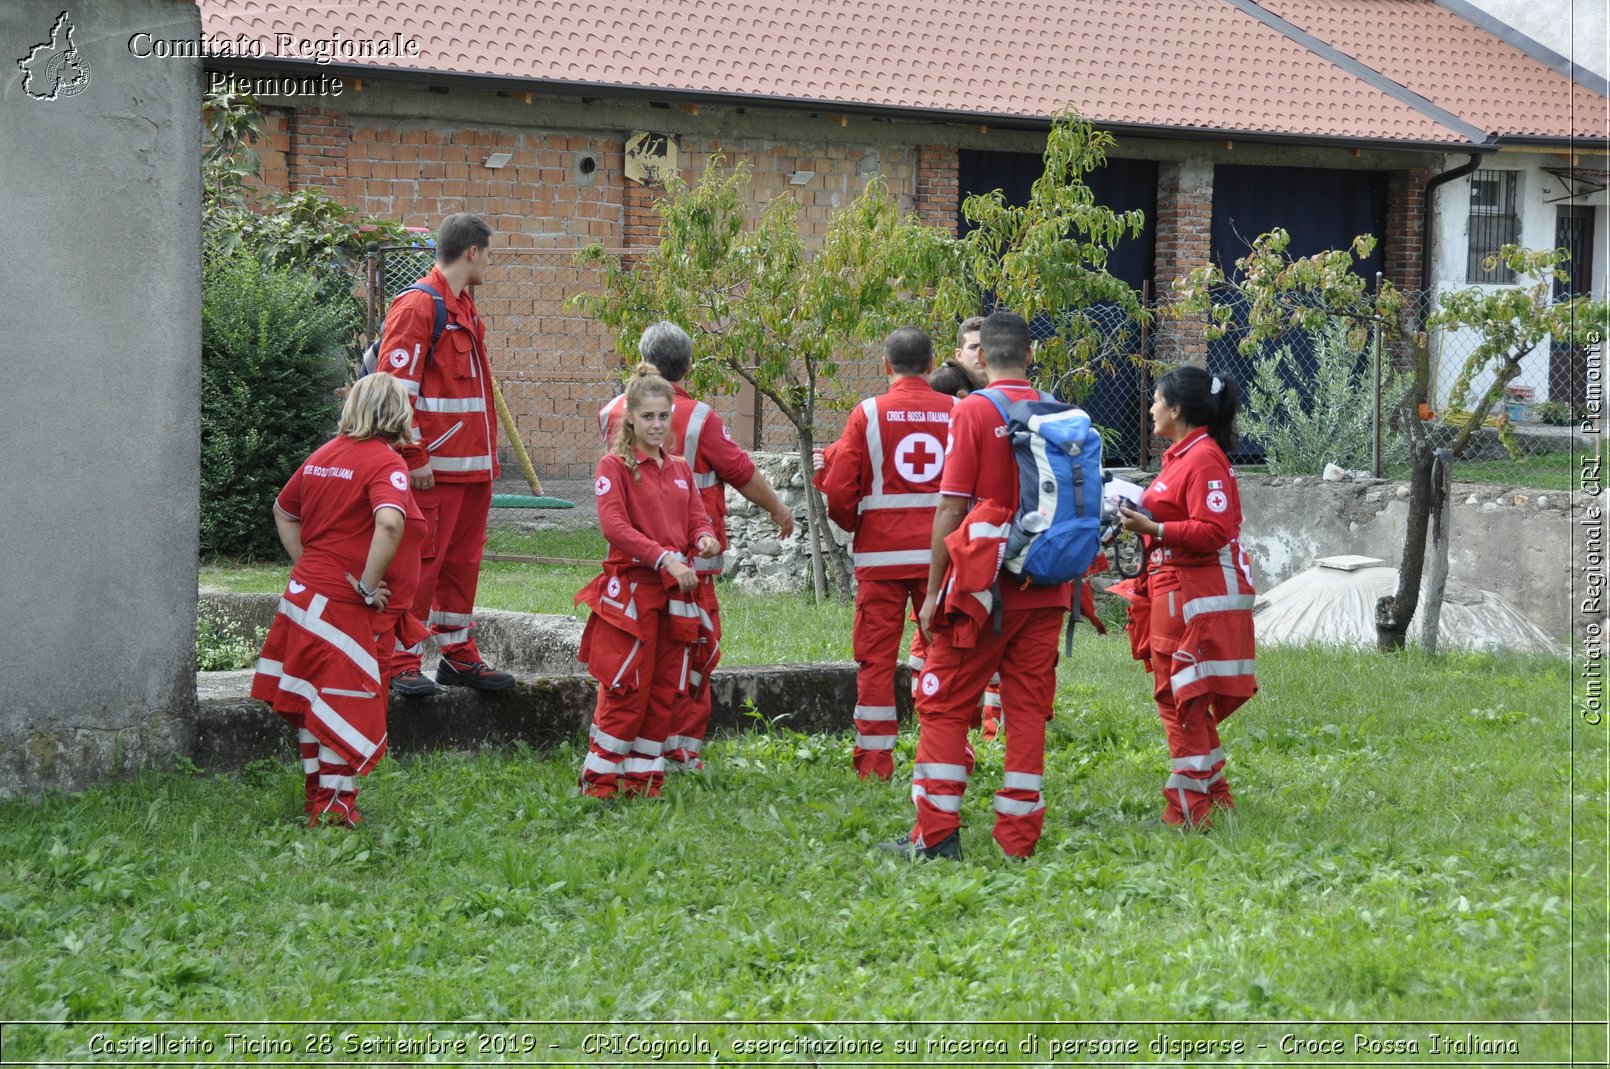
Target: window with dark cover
[(1494, 223)]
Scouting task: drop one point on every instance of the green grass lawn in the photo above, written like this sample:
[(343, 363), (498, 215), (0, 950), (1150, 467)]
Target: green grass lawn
[(1543, 471), (1415, 840)]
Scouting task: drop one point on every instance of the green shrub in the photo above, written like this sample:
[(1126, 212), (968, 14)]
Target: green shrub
[(271, 352), (1334, 423), (1556, 413), (217, 650)]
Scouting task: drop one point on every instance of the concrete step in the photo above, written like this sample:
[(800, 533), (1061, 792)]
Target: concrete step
[(232, 729), (524, 643)]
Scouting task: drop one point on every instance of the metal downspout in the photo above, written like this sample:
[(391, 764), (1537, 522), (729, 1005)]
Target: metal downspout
[(1428, 249)]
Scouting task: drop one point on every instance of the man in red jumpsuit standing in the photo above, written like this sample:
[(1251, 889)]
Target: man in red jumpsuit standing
[(881, 481), (452, 466), (699, 436), (981, 471)]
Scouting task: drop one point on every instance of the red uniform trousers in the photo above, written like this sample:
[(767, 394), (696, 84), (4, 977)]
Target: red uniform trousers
[(953, 681), (1196, 781), (625, 751), (449, 569), (690, 713), (880, 616)]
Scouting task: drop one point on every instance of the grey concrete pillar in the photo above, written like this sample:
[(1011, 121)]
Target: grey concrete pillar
[(100, 221)]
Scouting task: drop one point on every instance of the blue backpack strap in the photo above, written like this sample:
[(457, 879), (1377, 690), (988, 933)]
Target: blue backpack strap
[(439, 324), (995, 398)]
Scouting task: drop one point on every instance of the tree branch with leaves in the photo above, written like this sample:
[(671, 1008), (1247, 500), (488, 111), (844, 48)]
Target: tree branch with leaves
[(766, 310)]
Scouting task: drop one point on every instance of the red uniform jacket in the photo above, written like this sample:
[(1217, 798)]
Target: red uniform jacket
[(982, 467), (699, 436), (645, 518), (882, 478), (1199, 561), (451, 389)]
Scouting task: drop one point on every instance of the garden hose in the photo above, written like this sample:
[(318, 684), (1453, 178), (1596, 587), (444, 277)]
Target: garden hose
[(513, 434)]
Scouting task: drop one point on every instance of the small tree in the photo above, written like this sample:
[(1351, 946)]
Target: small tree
[(1048, 258), (1512, 322), (1283, 294), (779, 316), (764, 308)]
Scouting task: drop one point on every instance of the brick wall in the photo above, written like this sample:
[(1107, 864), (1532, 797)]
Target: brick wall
[(1184, 217), (316, 157), (938, 185), (1403, 245), (555, 366)]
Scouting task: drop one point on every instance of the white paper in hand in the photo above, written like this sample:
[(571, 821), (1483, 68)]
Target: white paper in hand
[(1123, 492)]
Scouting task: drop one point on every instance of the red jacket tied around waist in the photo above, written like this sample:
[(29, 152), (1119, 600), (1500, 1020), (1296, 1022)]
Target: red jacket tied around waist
[(1200, 562), (646, 517)]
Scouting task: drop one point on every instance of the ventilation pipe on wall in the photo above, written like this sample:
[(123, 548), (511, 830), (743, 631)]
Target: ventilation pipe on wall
[(1428, 249)]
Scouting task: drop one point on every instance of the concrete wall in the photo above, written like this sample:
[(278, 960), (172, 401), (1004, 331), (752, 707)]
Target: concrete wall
[(99, 215), (1515, 543)]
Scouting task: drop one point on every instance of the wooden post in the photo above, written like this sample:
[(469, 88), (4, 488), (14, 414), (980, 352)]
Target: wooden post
[(1145, 376), (1441, 519)]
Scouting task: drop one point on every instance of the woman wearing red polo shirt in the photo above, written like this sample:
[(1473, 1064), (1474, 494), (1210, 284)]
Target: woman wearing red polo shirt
[(640, 639), (1190, 616), (350, 525)]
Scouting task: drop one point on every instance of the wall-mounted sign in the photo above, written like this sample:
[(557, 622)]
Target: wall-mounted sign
[(650, 158)]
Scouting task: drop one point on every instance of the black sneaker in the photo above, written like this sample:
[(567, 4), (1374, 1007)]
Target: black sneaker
[(949, 848), (476, 674), (413, 684)]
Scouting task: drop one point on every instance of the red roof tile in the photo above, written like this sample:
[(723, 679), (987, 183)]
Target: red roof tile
[(1487, 82), (1181, 64)]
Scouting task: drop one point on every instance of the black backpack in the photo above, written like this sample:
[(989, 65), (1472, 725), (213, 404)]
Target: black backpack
[(371, 356)]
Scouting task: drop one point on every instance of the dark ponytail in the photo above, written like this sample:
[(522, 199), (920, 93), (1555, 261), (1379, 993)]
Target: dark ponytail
[(1204, 400)]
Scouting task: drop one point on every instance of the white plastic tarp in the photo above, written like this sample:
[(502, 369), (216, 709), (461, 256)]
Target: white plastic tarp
[(1325, 606)]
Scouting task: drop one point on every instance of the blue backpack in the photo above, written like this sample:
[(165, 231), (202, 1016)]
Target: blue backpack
[(371, 356), (1056, 533)]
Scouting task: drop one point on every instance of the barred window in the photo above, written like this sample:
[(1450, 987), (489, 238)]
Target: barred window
[(1494, 223)]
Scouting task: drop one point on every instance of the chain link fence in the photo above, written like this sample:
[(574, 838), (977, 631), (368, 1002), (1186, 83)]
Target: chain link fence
[(1331, 396), (1308, 400)]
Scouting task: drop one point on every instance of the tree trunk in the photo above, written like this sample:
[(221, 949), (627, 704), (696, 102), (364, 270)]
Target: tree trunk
[(815, 511), (1395, 612), (827, 559), (1441, 519)]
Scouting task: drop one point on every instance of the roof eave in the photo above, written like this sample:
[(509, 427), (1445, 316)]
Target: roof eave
[(507, 83)]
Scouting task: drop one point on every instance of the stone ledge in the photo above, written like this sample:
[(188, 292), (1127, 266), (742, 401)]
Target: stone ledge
[(527, 644), (232, 729)]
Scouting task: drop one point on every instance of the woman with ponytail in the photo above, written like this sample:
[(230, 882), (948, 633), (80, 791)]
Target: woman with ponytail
[(643, 641), (1190, 612)]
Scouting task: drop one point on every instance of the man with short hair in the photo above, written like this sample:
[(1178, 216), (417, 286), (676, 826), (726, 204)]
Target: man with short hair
[(452, 465), (881, 481), (700, 437), (979, 495), (969, 350)]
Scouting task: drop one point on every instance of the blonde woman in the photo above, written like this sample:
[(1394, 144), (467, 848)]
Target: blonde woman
[(348, 520), (643, 642)]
